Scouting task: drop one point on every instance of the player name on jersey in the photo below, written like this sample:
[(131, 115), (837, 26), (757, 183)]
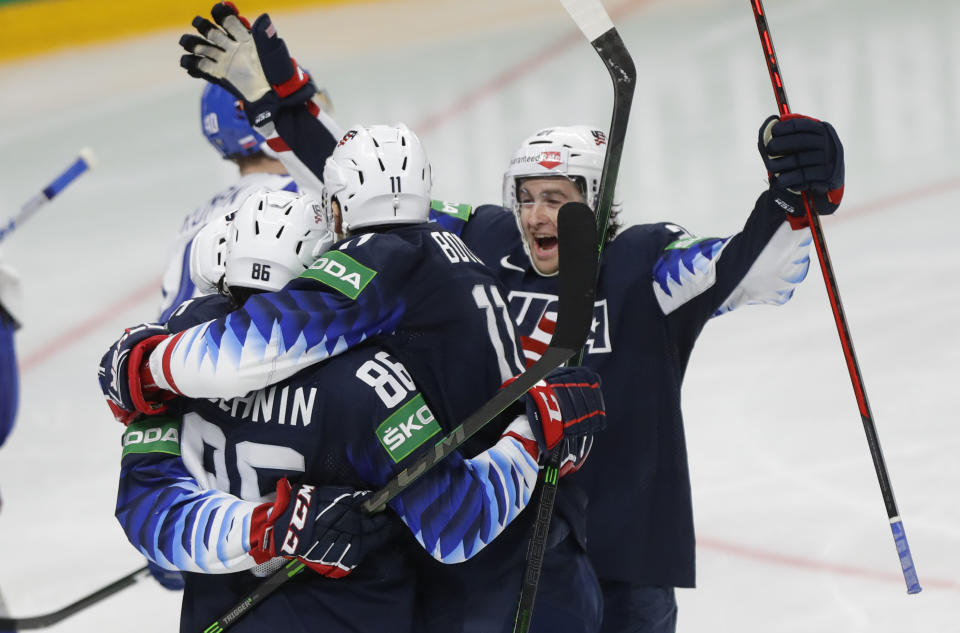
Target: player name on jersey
[(283, 405)]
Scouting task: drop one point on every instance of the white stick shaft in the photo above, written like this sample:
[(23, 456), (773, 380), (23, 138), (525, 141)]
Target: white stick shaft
[(590, 16)]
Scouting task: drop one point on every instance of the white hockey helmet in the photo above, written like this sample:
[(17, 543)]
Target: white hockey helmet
[(379, 175), (573, 151), (274, 237), (208, 251)]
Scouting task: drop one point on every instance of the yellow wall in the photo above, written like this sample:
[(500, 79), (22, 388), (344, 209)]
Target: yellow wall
[(40, 26)]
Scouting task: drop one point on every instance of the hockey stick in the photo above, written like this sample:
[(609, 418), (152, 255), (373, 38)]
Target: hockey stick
[(853, 367), (574, 313), (593, 21), (84, 161), (49, 619)]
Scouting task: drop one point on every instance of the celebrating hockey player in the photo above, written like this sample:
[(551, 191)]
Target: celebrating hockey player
[(225, 126), (658, 287)]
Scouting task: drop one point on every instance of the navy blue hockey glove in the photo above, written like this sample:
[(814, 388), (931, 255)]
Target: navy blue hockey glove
[(802, 154), (170, 579), (566, 410), (248, 60), (124, 379), (323, 526)]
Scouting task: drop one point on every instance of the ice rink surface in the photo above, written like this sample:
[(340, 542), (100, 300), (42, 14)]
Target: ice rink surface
[(792, 532)]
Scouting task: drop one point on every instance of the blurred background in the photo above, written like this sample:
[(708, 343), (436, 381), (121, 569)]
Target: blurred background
[(792, 532)]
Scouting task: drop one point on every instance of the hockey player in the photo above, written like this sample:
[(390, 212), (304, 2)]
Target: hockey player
[(658, 286), (338, 422), (225, 126)]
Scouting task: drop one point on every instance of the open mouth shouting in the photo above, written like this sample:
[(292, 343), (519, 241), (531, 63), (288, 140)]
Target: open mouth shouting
[(545, 244)]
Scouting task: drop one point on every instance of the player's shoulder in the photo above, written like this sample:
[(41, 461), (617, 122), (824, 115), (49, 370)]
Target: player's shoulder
[(654, 236), (460, 218), (492, 229), (248, 184), (494, 215), (450, 215), (199, 310), (255, 180), (351, 264)]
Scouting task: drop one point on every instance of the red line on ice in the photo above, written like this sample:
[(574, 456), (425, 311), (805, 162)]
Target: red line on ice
[(785, 560), (64, 340)]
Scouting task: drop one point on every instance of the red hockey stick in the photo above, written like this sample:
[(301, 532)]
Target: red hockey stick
[(899, 536)]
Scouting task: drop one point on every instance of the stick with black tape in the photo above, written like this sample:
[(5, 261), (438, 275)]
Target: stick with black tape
[(84, 162), (593, 21), (833, 292), (574, 313)]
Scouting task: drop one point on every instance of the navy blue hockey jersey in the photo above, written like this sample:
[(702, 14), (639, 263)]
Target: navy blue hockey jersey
[(189, 484), (657, 288)]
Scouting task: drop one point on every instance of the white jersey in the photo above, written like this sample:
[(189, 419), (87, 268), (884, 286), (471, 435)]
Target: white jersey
[(177, 284)]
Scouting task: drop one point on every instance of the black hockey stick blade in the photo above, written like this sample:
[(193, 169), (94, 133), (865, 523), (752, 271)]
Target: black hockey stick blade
[(49, 619), (578, 260)]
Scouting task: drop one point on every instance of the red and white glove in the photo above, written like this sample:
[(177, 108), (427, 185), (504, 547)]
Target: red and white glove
[(323, 526), (566, 410), (125, 377)]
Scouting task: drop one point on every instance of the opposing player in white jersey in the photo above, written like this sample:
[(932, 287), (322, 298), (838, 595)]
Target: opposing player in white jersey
[(225, 125)]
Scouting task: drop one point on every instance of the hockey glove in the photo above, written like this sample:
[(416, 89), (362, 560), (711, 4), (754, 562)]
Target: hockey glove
[(250, 62), (323, 526), (566, 410), (224, 53), (124, 378), (171, 579), (802, 154)]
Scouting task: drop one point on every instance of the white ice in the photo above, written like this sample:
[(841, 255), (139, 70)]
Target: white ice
[(792, 531)]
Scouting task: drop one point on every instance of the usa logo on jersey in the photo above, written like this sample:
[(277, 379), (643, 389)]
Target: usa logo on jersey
[(536, 317)]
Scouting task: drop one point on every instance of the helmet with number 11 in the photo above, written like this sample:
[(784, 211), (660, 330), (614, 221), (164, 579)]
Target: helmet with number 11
[(378, 176)]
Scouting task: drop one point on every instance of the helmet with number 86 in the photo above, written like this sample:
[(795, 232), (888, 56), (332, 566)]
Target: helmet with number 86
[(273, 238), (378, 175)]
